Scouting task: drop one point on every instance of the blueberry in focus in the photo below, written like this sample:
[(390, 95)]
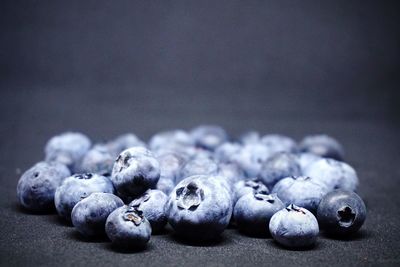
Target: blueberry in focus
[(135, 170), (341, 212), (322, 145), (152, 203), (37, 186), (90, 214), (199, 208), (253, 212), (302, 191), (127, 228), (67, 148), (77, 187), (294, 227)]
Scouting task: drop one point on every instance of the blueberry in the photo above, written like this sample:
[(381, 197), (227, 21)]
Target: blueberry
[(77, 187), (305, 159), (249, 137), (294, 227), (67, 148), (152, 204), (279, 166), (122, 142), (199, 208), (341, 212), (209, 136), (253, 212), (126, 227), (135, 171), (200, 165), (333, 174), (165, 185), (171, 165), (90, 214), (226, 152), (37, 186), (300, 190), (322, 145), (279, 143), (251, 157), (171, 138), (248, 186), (98, 160)]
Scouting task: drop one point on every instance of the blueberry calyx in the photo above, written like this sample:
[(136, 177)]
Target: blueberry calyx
[(189, 197), (253, 184), (134, 215), (346, 216), (83, 176), (137, 202), (260, 195), (293, 207)]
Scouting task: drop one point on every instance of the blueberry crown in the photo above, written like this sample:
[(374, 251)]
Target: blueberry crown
[(84, 176), (293, 207), (134, 215), (189, 197)]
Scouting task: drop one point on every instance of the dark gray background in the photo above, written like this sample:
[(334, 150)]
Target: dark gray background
[(291, 67)]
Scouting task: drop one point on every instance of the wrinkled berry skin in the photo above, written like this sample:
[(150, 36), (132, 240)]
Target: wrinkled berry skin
[(127, 228), (37, 186), (98, 160), (152, 203), (122, 142), (294, 227), (135, 171), (300, 190), (253, 212), (279, 143), (77, 187), (248, 186), (199, 208), (200, 165), (67, 148), (209, 136), (323, 146), (279, 166), (341, 213), (90, 214), (333, 174)]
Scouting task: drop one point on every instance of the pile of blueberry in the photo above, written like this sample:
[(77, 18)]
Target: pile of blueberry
[(199, 182)]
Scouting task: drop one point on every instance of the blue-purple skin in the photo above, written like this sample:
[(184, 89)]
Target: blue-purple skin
[(251, 158), (171, 165), (123, 142), (37, 186), (232, 172), (300, 190), (323, 146), (127, 228), (294, 227), (249, 137), (248, 186), (152, 203), (67, 148), (253, 212), (200, 165), (135, 170), (279, 143), (279, 166), (179, 138), (90, 214), (333, 174), (98, 160), (77, 187), (199, 208), (209, 136), (341, 213), (226, 152), (304, 159), (165, 185)]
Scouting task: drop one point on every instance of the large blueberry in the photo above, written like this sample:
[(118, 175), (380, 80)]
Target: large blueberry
[(77, 187), (67, 148), (279, 166), (300, 190), (90, 214), (333, 174), (135, 171), (209, 136), (199, 208), (127, 228), (98, 160), (37, 186), (253, 212), (294, 227), (341, 212), (152, 203), (322, 145)]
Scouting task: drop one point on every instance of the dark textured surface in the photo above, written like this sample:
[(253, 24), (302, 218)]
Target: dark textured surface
[(293, 68)]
